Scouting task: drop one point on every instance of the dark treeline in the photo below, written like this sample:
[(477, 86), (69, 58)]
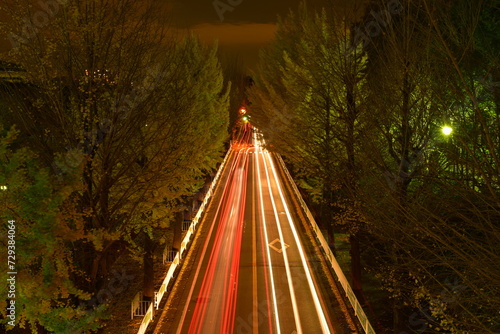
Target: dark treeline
[(360, 100), (112, 127)]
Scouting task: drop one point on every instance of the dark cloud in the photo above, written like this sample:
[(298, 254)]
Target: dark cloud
[(241, 27), (239, 40)]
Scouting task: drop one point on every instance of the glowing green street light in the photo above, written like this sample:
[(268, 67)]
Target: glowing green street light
[(446, 130)]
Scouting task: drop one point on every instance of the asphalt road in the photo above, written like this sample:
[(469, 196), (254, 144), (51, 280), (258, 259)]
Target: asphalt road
[(251, 268)]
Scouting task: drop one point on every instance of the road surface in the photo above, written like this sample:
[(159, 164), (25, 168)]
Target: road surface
[(251, 269)]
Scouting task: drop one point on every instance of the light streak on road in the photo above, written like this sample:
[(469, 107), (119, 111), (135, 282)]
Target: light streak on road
[(216, 302), (255, 299), (222, 271), (266, 238), (243, 282), (312, 287), (284, 252)]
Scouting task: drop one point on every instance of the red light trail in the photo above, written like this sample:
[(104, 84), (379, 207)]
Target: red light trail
[(253, 275)]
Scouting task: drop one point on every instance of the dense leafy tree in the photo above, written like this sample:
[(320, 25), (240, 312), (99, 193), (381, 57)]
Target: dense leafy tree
[(46, 225), (308, 102), (427, 195), (136, 117), (366, 129)]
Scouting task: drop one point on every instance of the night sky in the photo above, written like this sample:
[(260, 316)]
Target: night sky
[(241, 30)]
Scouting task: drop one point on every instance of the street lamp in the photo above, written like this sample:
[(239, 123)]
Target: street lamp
[(446, 130), (3, 188)]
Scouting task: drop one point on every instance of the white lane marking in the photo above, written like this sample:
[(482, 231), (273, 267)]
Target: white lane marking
[(282, 245)]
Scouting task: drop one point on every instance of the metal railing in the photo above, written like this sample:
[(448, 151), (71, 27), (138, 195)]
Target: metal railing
[(168, 254), (358, 310), (185, 225), (139, 306)]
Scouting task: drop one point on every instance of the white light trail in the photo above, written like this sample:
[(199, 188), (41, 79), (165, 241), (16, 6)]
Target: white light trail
[(317, 303), (268, 252), (285, 256)]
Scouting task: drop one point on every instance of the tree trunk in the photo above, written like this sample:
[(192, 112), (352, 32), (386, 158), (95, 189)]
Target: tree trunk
[(94, 272), (331, 238), (149, 281), (355, 253), (179, 218), (326, 218)]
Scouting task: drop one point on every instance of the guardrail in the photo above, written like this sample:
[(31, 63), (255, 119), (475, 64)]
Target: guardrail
[(168, 254), (187, 238), (358, 310), (139, 307)]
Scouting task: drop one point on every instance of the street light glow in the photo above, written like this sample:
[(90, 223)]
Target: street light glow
[(446, 130)]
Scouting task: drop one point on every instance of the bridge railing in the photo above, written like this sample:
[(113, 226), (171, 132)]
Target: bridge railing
[(185, 242), (358, 310)]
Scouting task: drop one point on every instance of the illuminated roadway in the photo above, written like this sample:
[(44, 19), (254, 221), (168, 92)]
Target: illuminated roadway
[(250, 269)]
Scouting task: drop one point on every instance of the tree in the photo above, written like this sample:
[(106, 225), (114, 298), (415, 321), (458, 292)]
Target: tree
[(139, 117), (311, 111), (46, 224), (364, 135), (431, 200), (234, 73), (193, 131)]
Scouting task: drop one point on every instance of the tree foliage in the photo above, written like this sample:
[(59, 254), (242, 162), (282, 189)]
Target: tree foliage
[(45, 227), (132, 114), (309, 101), (367, 124)]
